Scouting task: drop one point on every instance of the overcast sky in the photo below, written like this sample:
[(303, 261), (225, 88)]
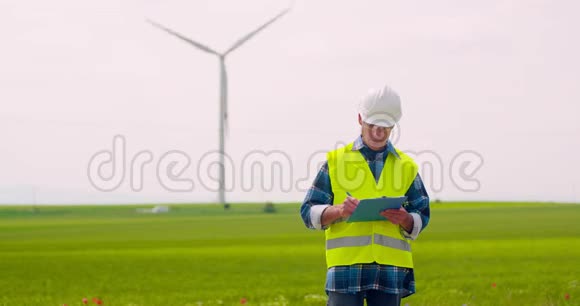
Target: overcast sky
[(489, 91)]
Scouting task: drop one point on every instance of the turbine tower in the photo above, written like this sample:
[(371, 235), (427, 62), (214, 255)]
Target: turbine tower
[(223, 101)]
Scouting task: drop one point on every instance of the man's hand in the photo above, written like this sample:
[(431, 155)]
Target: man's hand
[(340, 211), (399, 217), (348, 206)]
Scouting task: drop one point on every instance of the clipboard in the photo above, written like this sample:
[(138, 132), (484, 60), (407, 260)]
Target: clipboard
[(369, 209)]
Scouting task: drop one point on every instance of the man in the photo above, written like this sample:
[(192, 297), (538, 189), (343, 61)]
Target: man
[(368, 260)]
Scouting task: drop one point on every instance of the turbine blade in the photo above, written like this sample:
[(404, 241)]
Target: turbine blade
[(182, 37), (242, 40)]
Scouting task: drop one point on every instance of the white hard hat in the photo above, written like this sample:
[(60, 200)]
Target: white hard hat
[(381, 107)]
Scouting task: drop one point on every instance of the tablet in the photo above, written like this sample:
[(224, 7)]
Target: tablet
[(369, 209)]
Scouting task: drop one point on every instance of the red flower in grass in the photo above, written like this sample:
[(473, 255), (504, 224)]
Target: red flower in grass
[(567, 296), (493, 285), (243, 301), (85, 300)]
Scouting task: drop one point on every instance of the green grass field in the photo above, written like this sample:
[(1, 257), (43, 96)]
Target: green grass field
[(203, 255)]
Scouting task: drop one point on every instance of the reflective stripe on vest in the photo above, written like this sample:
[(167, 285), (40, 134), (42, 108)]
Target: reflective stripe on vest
[(392, 242), (348, 242), (366, 240), (375, 241)]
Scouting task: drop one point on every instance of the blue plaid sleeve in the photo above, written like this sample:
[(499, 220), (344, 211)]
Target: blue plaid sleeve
[(320, 193), (418, 202)]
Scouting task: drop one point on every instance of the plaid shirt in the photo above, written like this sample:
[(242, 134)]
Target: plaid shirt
[(361, 277)]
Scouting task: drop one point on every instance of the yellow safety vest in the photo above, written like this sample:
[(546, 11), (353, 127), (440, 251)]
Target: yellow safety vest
[(374, 241)]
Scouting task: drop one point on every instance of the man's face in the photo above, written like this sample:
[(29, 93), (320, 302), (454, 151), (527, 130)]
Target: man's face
[(374, 136)]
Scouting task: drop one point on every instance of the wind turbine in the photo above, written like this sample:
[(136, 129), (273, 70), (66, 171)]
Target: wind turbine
[(223, 109)]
